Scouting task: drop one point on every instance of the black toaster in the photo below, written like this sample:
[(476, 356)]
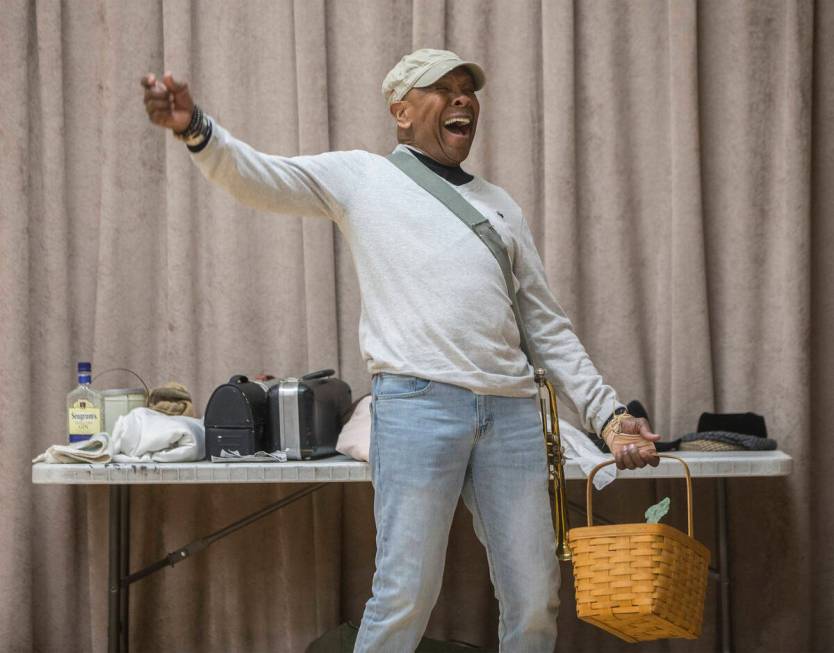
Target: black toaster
[(306, 414)]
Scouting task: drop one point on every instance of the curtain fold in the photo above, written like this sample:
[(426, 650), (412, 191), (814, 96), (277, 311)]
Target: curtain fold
[(822, 325), (672, 160), (16, 47)]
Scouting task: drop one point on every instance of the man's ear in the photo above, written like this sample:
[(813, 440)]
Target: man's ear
[(400, 111)]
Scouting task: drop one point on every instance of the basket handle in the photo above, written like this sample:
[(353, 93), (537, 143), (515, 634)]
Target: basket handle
[(690, 519), (124, 369)]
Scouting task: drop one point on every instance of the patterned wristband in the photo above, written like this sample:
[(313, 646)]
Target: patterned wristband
[(615, 438), (617, 411)]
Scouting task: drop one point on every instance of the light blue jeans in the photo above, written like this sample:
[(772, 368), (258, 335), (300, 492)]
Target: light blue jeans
[(431, 443)]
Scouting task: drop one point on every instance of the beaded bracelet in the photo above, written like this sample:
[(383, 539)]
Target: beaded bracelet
[(198, 129)]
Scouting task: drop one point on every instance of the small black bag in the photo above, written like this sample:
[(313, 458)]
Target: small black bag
[(236, 418)]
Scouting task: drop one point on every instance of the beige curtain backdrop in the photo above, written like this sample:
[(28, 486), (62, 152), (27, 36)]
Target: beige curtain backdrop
[(674, 160)]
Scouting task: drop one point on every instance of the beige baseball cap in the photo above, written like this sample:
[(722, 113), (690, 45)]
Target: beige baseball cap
[(422, 68)]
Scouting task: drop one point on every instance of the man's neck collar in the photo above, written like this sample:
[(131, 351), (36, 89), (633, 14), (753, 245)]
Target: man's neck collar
[(453, 174)]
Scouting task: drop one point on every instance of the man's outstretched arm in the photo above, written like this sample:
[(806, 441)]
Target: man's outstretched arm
[(314, 186)]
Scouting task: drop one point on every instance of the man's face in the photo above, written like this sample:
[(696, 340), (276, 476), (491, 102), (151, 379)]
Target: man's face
[(440, 119)]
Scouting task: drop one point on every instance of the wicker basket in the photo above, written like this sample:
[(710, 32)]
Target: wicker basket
[(640, 581)]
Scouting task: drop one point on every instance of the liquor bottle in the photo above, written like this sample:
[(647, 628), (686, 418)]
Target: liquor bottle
[(84, 407)]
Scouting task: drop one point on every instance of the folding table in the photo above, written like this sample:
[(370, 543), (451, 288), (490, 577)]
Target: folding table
[(340, 469)]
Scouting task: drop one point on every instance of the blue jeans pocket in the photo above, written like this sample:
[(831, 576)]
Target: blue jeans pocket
[(399, 386)]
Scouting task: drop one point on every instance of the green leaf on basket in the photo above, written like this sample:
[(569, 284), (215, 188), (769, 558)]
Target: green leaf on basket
[(658, 511)]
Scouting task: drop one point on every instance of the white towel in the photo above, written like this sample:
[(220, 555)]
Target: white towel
[(145, 435)]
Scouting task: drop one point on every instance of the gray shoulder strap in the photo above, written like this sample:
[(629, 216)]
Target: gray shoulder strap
[(473, 219)]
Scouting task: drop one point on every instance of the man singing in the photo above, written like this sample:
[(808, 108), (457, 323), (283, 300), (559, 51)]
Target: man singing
[(454, 408)]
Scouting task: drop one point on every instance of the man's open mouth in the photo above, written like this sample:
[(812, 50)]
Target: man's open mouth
[(460, 126)]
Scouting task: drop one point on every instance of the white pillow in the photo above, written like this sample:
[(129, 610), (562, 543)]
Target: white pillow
[(355, 438)]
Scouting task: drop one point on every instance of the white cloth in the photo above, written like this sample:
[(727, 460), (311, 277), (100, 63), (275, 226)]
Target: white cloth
[(145, 435), (355, 441), (434, 300), (94, 450), (580, 449)]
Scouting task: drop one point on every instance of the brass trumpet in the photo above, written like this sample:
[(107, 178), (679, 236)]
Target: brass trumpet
[(555, 462)]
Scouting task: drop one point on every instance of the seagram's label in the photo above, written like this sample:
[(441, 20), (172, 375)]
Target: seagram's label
[(84, 420)]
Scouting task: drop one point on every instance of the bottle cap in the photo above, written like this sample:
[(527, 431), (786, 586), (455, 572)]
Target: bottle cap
[(84, 367)]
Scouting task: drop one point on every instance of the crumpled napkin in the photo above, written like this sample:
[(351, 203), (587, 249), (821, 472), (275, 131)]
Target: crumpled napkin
[(257, 457)]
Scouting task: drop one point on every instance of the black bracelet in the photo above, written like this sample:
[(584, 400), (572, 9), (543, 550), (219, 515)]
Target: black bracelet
[(206, 138)]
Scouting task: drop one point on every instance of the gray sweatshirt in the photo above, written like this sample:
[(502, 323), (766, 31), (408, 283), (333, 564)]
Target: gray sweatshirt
[(434, 301)]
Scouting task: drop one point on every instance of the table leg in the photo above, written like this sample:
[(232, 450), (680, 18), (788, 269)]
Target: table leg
[(725, 630), (124, 569), (114, 591), (118, 561), (120, 578)]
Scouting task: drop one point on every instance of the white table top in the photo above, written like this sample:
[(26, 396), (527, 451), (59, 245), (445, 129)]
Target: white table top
[(342, 469)]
